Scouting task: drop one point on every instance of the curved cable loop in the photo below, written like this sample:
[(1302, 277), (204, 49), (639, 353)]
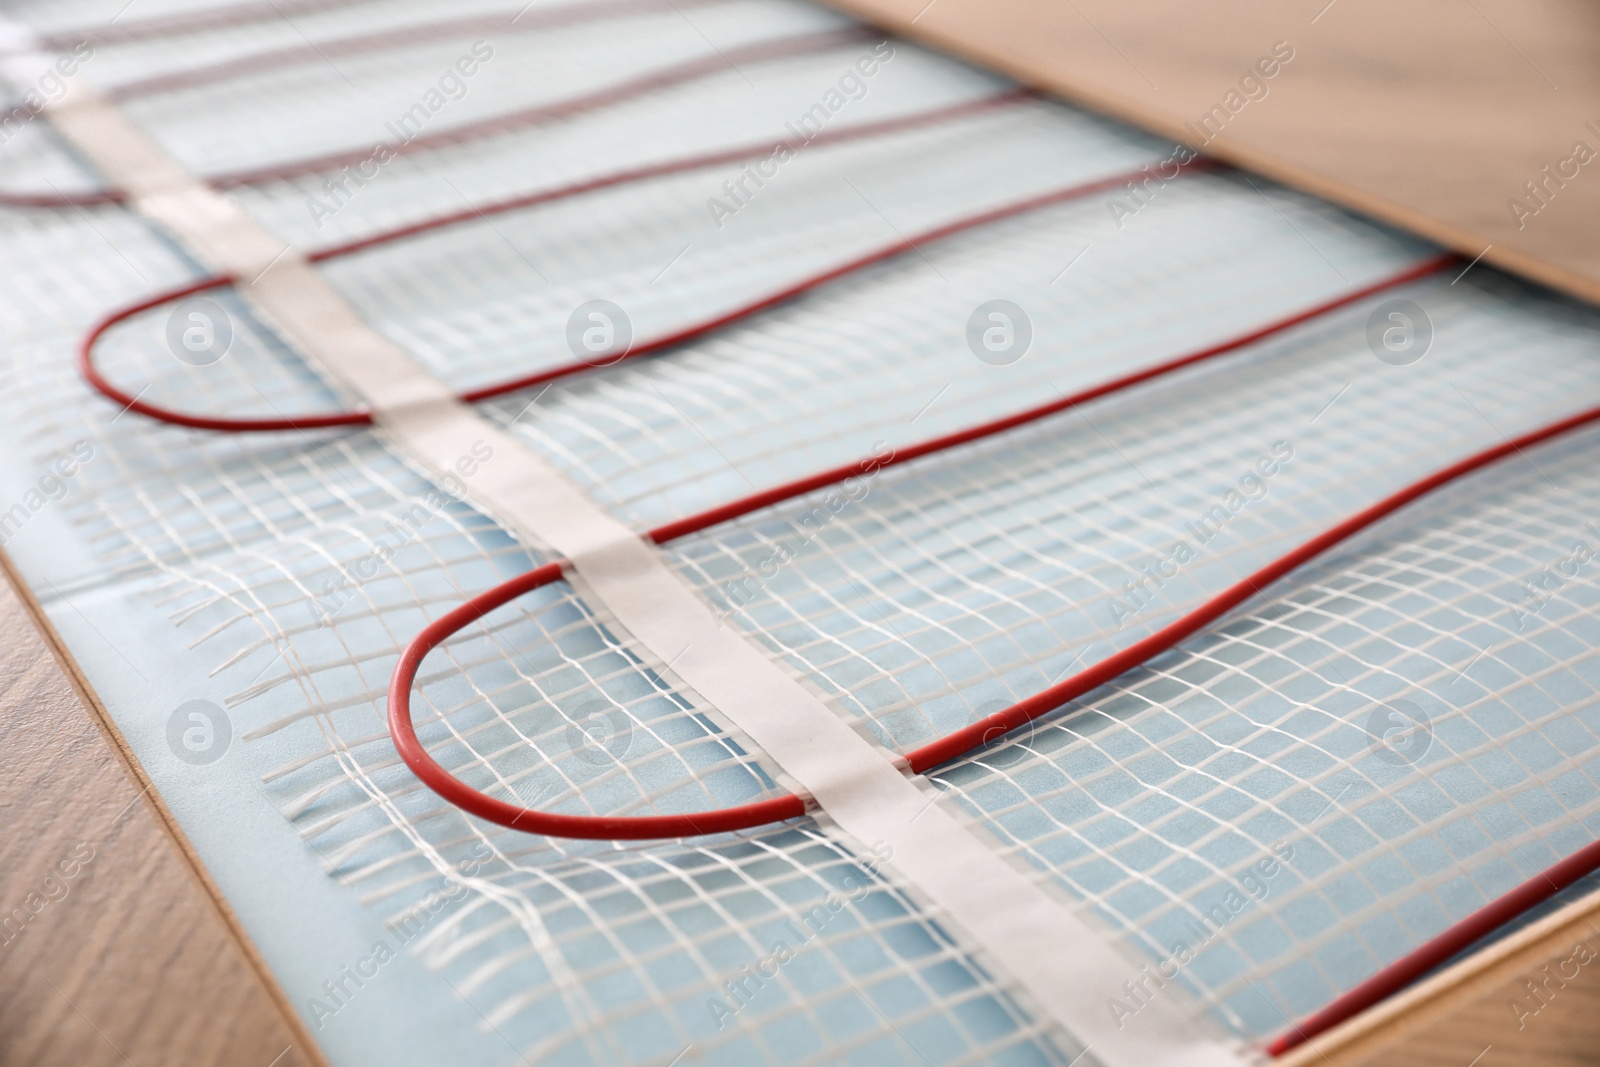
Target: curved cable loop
[(617, 92), (982, 732), (90, 371), (1390, 979), (1396, 976), (516, 817)]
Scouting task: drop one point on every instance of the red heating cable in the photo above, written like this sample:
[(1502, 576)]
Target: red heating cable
[(1455, 940), (543, 17), (984, 732), (1392, 978), (615, 93), (901, 246), (947, 748)]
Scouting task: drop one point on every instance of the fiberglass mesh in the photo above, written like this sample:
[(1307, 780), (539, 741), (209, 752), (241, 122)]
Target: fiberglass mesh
[(964, 580)]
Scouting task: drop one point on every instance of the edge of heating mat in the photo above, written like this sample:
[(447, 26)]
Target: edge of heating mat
[(1006, 915)]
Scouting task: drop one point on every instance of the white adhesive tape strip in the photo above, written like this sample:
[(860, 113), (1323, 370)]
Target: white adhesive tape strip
[(1069, 971)]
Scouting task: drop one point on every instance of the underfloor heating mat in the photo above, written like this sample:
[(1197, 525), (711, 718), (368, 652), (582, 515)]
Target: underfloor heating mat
[(635, 532)]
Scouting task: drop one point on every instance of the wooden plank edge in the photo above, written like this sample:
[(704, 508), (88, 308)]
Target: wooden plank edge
[(1451, 990), (1431, 1000), (91, 701), (1466, 242)]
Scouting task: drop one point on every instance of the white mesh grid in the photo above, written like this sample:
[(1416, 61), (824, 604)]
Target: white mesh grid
[(1263, 733), (577, 954), (241, 544), (964, 580), (1001, 562), (666, 124), (268, 122), (889, 359)]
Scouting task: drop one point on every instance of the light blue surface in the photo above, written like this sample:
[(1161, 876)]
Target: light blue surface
[(186, 566)]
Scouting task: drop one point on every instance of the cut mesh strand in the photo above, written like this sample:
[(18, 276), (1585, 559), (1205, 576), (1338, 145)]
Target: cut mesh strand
[(131, 401), (949, 747), (1397, 975), (143, 429), (616, 93)]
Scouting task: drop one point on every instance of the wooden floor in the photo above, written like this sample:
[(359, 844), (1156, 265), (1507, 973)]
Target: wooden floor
[(131, 960), (1432, 114), (112, 950), (1481, 1013)]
